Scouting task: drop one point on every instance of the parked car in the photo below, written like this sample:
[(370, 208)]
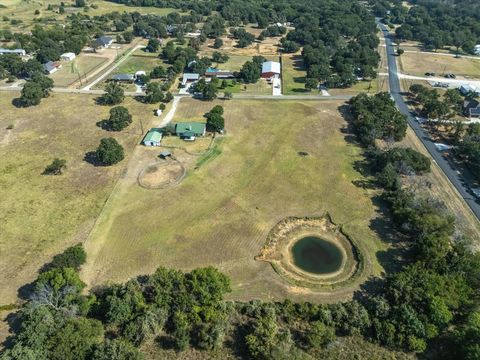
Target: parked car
[(450, 76)]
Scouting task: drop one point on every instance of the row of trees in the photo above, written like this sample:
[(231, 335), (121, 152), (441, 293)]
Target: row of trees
[(433, 294), (438, 24)]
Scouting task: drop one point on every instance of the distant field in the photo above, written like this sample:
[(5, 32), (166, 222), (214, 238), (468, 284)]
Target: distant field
[(221, 213), (420, 63), (71, 71), (24, 10), (41, 215)]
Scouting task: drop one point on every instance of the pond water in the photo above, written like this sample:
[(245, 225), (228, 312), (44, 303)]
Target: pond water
[(315, 255)]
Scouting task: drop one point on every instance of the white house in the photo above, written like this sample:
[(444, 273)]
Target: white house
[(67, 56), (20, 52), (476, 49), (467, 89)]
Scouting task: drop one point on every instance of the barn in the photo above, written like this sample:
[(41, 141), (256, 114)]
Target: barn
[(270, 69), (153, 138), (69, 56)]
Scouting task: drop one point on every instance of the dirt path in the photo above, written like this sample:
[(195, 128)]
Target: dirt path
[(141, 156), (106, 73)]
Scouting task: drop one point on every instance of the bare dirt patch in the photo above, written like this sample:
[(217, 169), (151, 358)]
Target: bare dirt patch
[(161, 175)]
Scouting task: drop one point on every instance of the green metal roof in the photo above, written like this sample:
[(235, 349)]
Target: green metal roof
[(153, 135), (195, 127)]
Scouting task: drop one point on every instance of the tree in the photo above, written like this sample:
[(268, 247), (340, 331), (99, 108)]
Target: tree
[(168, 97), (218, 43), (32, 94), (153, 93), (114, 94), (120, 118), (117, 350), (153, 45), (80, 3), (109, 151), (311, 83), (181, 331), (76, 339), (320, 335), (73, 257), (158, 72), (250, 72), (227, 95), (400, 51), (56, 167)]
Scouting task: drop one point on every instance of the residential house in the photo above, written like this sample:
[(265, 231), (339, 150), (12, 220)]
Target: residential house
[(67, 56), (270, 69), (220, 74), (471, 109), (102, 42), (19, 52), (153, 138), (189, 131), (123, 78), (51, 67), (189, 77)]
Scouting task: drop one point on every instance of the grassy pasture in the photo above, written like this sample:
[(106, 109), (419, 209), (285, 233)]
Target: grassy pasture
[(139, 60), (24, 10), (221, 213), (82, 65), (42, 215), (419, 63)]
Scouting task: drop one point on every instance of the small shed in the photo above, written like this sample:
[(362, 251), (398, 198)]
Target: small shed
[(153, 138), (165, 154), (50, 67), (270, 69), (69, 56)]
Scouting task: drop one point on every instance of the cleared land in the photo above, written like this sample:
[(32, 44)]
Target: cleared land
[(79, 68), (24, 11), (222, 211), (416, 63), (42, 215)]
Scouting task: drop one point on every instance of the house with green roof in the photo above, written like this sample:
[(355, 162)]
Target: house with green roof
[(190, 130), (153, 138)]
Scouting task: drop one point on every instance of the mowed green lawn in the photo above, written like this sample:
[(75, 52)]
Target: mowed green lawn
[(221, 213), (71, 71), (41, 215), (140, 60)]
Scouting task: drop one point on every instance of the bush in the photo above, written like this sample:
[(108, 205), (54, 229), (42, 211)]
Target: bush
[(56, 167), (120, 118)]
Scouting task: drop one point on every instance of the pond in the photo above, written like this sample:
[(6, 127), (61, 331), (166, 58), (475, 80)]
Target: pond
[(315, 255)]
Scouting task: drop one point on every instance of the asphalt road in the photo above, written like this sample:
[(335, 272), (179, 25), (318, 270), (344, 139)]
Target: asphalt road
[(451, 173)]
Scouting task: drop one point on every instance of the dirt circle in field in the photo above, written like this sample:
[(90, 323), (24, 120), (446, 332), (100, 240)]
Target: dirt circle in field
[(161, 175), (312, 252)]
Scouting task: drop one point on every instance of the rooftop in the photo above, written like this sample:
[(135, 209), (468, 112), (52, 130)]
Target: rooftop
[(186, 127), (271, 66), (153, 135), (124, 77)]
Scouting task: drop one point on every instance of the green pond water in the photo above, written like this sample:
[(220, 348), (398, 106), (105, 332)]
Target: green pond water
[(315, 255)]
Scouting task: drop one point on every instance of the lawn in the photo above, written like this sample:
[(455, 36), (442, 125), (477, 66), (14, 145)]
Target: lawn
[(71, 71), (139, 60), (420, 63), (221, 213), (42, 215)]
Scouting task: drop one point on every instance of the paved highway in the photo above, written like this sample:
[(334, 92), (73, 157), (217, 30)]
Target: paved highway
[(447, 168)]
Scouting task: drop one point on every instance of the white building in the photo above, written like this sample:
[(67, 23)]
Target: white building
[(67, 56), (20, 52), (270, 69), (476, 50), (467, 89)]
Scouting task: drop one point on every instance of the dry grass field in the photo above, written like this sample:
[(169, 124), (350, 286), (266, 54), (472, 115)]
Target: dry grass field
[(24, 11), (416, 63), (41, 215), (80, 67), (222, 211)]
